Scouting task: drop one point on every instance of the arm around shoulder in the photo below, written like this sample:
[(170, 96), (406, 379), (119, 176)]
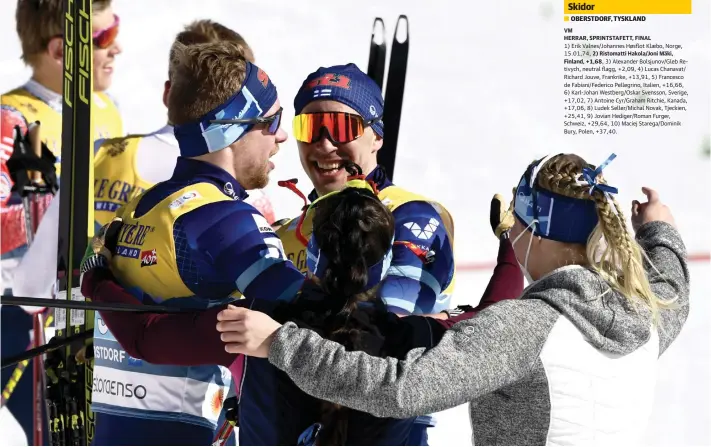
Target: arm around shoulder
[(173, 339), (476, 357)]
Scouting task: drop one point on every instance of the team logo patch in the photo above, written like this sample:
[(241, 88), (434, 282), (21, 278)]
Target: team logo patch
[(149, 258), (263, 77), (180, 201), (262, 224), (230, 190), (423, 233), (320, 92), (330, 80)]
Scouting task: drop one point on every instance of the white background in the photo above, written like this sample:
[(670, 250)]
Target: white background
[(483, 98)]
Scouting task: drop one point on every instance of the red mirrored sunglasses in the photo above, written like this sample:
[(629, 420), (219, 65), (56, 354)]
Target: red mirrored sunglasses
[(106, 37)]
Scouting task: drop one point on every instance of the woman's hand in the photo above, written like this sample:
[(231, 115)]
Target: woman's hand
[(246, 331), (653, 209)]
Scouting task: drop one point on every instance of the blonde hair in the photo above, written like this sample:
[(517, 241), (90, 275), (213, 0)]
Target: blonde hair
[(207, 31), (611, 250), (204, 76), (39, 21)]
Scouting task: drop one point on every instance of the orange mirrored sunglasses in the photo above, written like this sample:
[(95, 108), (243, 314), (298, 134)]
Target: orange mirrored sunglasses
[(340, 127)]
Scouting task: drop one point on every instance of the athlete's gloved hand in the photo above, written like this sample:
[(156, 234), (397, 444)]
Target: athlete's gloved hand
[(501, 218), (24, 159), (103, 246)]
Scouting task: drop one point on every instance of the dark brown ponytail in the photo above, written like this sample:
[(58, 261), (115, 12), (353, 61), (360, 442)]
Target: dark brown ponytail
[(354, 230)]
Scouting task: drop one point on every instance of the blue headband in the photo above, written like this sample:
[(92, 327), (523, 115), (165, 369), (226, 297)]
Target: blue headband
[(255, 97), (317, 262), (560, 218)]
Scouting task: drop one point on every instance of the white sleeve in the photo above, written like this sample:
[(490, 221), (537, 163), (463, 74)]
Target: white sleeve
[(156, 158), (37, 272)]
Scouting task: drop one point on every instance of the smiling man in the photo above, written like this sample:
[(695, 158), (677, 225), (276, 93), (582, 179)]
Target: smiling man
[(339, 117), (339, 114), (39, 26)]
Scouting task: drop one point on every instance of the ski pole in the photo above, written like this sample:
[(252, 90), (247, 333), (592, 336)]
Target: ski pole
[(231, 421), (224, 433), (90, 305), (38, 382), (51, 346)]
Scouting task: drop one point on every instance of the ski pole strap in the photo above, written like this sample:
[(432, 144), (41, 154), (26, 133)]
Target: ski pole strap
[(51, 346), (94, 261)]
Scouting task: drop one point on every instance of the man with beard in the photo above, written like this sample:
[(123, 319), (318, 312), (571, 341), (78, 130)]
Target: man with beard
[(192, 241)]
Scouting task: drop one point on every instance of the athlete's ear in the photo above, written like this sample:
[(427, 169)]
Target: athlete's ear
[(55, 49), (377, 142), (166, 91)]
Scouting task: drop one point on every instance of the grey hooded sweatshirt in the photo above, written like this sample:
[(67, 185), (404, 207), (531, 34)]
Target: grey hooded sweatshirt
[(570, 362)]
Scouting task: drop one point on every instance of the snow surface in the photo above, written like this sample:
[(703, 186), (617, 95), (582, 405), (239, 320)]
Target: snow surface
[(483, 98)]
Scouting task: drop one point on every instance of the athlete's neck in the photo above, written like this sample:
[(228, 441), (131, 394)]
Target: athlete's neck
[(219, 159), (48, 80)]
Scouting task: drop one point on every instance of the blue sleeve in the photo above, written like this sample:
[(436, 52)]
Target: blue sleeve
[(242, 250), (411, 285)]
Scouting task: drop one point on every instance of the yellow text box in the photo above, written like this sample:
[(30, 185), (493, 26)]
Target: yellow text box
[(628, 7)]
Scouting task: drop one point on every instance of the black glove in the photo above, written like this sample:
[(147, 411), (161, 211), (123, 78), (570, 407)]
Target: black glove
[(103, 246), (24, 159)]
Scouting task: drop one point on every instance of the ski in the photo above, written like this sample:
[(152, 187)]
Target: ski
[(378, 51), (70, 370), (39, 410), (394, 92)]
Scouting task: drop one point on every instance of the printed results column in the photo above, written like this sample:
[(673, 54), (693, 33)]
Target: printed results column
[(617, 82)]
